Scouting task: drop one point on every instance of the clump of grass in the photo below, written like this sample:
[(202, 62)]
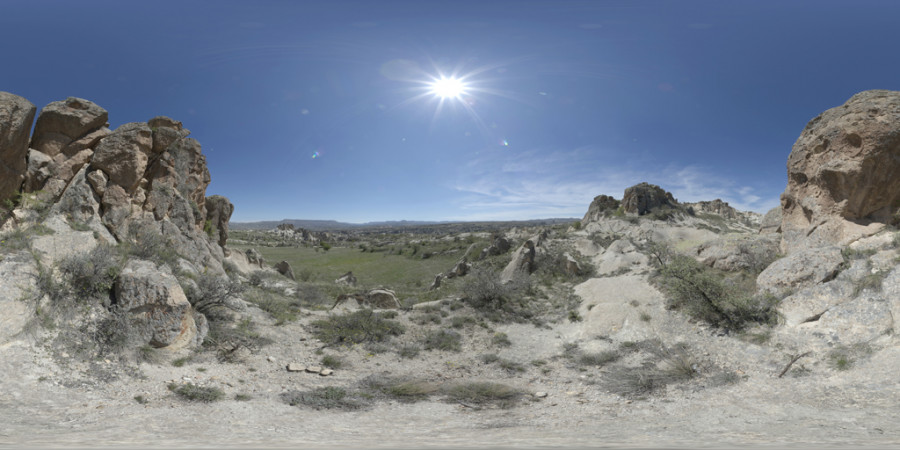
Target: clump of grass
[(93, 274), (462, 321), (665, 366), (330, 397), (489, 358), (281, 309), (500, 339), (222, 333), (398, 388), (574, 316), (197, 393), (141, 399), (425, 319), (180, 362), (446, 340), (356, 327), (510, 366), (871, 282), (242, 397), (598, 359), (645, 317), (483, 393), (332, 362), (408, 351)]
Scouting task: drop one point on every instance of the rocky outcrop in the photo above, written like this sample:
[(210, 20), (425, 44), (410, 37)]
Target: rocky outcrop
[(375, 298), (844, 173), (644, 197), (570, 266), (285, 269), (746, 253), (602, 206), (522, 263), (154, 300), (803, 268), (62, 123), (255, 258), (771, 222), (499, 245), (716, 206), (346, 279), (218, 213), (16, 117)]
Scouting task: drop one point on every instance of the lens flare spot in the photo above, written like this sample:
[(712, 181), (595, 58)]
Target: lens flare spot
[(504, 143), (315, 155), (448, 87)]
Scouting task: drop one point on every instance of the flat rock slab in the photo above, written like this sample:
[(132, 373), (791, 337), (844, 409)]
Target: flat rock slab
[(293, 367)]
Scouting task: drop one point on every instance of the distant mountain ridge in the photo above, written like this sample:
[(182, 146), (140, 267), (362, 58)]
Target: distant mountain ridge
[(333, 225)]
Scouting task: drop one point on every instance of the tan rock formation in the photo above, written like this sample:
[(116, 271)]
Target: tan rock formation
[(642, 198), (602, 206), (61, 123), (16, 117), (844, 173)]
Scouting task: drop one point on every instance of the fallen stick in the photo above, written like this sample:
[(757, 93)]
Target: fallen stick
[(793, 360)]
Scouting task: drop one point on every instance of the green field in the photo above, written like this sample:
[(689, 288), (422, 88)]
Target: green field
[(407, 276)]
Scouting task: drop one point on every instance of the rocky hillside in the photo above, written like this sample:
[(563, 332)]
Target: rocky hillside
[(77, 188)]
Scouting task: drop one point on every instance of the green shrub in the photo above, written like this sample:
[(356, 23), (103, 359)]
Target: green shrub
[(93, 274), (446, 340), (332, 362), (398, 388), (330, 397), (211, 291), (281, 308), (481, 393), (501, 340), (197, 393), (704, 294), (409, 351), (145, 241), (598, 359), (356, 327), (498, 301)]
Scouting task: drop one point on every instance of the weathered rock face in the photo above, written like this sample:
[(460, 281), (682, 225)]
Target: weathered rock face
[(382, 299), (155, 301), (803, 268), (346, 279), (716, 206), (642, 198), (771, 222), (600, 207), (218, 213), (844, 173), (255, 258), (16, 117), (522, 263), (285, 269), (62, 123), (499, 245), (748, 253)]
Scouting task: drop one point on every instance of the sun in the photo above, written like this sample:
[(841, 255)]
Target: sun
[(444, 87)]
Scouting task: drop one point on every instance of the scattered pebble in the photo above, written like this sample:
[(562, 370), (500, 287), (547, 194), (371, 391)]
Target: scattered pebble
[(540, 394), (326, 372), (294, 367), (270, 358), (313, 369)]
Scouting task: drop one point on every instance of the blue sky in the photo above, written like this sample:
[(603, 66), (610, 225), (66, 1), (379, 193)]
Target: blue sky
[(565, 100)]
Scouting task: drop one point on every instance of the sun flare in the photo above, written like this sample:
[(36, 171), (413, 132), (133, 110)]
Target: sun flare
[(448, 87)]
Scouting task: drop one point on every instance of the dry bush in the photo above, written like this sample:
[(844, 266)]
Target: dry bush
[(356, 327)]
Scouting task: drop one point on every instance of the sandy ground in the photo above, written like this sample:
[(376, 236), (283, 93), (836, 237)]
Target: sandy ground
[(47, 402)]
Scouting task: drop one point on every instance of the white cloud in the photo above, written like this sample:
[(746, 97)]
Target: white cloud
[(535, 184)]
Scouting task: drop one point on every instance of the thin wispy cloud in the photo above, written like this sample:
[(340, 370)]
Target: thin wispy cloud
[(534, 184)]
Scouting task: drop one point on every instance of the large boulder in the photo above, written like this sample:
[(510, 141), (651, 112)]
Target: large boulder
[(285, 269), (801, 269), (753, 253), (218, 213), (124, 154), (382, 299), (771, 222), (844, 173), (522, 263), (156, 305), (16, 117), (644, 197), (63, 122), (499, 245), (602, 206)]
